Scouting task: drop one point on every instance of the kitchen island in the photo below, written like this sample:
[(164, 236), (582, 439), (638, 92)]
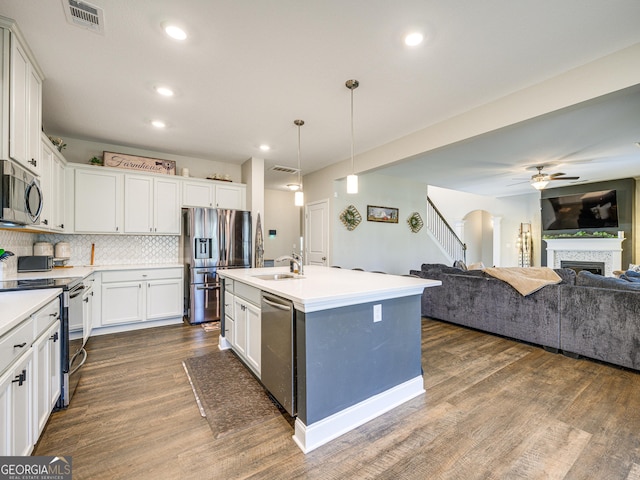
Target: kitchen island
[(357, 344)]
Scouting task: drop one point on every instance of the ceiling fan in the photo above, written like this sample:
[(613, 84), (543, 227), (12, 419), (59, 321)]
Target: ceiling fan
[(540, 180)]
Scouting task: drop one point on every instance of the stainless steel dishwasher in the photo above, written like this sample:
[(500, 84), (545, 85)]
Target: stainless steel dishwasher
[(278, 350)]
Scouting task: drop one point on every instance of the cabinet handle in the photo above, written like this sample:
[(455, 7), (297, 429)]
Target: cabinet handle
[(54, 337), (139, 285), (20, 345), (117, 228), (20, 379), (45, 221), (33, 162), (150, 229), (53, 315)]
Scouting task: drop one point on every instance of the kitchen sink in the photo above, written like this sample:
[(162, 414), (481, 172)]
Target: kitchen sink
[(278, 276)]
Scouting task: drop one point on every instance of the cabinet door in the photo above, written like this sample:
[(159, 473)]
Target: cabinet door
[(240, 326), (55, 374), (122, 303), (166, 206), (19, 111), (197, 195), (6, 422), (34, 120), (98, 201), (21, 405), (230, 196), (253, 318), (164, 299), (57, 190), (42, 362), (138, 212), (46, 184)]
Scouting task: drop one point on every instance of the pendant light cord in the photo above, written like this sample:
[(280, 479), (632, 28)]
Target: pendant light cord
[(352, 141)]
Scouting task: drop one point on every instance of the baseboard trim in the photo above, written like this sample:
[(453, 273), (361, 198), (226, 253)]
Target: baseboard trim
[(127, 327), (310, 437)]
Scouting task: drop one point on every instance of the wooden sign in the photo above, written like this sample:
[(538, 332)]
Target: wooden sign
[(141, 164)]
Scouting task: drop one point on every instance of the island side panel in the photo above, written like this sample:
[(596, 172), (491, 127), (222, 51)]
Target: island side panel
[(344, 358)]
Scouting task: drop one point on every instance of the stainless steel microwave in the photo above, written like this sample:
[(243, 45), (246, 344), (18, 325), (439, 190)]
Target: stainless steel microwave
[(20, 195)]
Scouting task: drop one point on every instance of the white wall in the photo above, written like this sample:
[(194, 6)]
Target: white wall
[(455, 205), (282, 216), (387, 247), (81, 151)]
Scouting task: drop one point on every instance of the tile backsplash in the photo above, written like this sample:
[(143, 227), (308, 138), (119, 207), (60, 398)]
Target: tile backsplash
[(20, 243), (109, 249)]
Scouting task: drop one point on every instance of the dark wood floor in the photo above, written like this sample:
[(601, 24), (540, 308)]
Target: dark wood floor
[(494, 409)]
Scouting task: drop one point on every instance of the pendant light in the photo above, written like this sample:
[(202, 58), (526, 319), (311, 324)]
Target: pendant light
[(298, 198), (352, 180)]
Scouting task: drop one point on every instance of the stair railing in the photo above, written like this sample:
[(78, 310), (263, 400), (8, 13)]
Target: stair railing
[(444, 234)]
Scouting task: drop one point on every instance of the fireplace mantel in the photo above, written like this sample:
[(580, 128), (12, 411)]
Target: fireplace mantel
[(607, 250)]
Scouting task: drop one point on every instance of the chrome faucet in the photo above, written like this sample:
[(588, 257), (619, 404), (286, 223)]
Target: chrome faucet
[(296, 259)]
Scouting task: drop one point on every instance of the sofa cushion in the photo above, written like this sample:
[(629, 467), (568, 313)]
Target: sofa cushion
[(588, 279), (567, 275)]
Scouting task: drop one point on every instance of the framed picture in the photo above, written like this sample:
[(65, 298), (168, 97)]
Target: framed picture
[(141, 164), (382, 214)]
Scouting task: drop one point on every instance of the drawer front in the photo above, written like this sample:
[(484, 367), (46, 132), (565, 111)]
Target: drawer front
[(15, 342), (249, 293), (45, 317), (140, 275)]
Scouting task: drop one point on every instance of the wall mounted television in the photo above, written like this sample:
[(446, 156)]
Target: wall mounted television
[(581, 211)]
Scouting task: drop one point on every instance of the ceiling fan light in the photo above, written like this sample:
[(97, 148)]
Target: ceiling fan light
[(294, 187), (539, 184)]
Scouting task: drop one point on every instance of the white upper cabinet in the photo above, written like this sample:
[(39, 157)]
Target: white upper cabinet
[(198, 194), (24, 91), (152, 205), (52, 183), (98, 201), (211, 194)]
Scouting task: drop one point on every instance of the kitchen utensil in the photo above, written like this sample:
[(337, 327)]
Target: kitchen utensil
[(43, 249)]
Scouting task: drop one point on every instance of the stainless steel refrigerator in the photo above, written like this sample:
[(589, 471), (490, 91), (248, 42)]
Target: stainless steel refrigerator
[(213, 239)]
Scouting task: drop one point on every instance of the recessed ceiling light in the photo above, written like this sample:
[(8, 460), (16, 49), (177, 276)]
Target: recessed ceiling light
[(265, 147), (413, 39), (158, 124), (174, 31), (164, 91)]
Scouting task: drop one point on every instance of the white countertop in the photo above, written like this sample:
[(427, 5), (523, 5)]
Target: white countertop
[(16, 306), (322, 288), (81, 272)]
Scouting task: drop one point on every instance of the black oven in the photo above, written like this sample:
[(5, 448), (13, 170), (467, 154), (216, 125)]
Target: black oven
[(20, 195)]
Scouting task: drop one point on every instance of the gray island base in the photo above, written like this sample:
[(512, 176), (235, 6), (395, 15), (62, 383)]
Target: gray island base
[(357, 338)]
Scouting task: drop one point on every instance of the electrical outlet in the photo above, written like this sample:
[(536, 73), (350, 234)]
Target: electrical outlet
[(377, 312)]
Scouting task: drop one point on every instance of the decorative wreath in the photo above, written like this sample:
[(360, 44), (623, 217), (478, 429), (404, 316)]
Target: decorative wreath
[(350, 217), (415, 222)]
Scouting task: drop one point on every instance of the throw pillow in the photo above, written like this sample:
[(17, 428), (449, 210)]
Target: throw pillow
[(635, 268), (460, 264), (632, 273)]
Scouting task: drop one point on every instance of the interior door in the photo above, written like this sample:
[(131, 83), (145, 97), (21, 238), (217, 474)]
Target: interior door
[(317, 233)]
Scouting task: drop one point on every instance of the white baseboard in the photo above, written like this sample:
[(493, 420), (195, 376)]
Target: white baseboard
[(127, 327), (310, 437)]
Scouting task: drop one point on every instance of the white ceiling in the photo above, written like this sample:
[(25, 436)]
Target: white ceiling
[(250, 68)]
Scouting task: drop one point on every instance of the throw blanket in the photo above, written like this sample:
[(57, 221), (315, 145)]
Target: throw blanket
[(525, 280)]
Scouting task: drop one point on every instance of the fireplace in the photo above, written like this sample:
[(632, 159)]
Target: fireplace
[(607, 251), (593, 267)]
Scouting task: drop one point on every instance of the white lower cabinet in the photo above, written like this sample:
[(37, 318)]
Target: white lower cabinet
[(47, 352), (30, 379), (16, 402), (131, 296), (243, 324)]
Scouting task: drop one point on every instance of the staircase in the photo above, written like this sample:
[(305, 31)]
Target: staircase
[(444, 234)]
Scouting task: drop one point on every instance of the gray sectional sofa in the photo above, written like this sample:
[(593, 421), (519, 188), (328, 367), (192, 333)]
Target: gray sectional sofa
[(586, 314)]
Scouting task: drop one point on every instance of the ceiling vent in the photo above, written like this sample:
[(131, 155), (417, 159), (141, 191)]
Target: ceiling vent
[(280, 168), (84, 15)]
